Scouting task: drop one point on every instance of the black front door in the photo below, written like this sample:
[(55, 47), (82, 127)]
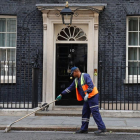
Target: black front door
[(67, 56)]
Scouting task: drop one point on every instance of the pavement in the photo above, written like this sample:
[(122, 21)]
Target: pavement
[(69, 123)]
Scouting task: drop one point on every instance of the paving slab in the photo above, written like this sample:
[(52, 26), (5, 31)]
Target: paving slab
[(68, 123)]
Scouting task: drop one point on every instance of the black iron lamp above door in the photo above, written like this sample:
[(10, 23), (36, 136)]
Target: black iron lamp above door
[(67, 15)]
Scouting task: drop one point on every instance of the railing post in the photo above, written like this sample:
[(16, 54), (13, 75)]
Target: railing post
[(35, 77), (100, 69)]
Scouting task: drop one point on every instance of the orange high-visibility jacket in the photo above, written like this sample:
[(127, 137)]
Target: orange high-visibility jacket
[(84, 87)]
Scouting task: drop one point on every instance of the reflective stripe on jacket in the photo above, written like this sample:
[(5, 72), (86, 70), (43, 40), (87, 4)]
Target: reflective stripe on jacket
[(85, 88)]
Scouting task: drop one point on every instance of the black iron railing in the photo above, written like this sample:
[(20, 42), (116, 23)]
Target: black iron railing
[(119, 87), (18, 85)]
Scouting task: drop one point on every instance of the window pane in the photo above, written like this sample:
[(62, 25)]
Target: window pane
[(76, 31), (133, 38), (67, 19), (132, 68), (12, 69), (8, 70), (139, 38), (2, 39), (2, 24), (2, 69), (139, 24), (11, 25), (139, 53), (133, 24), (139, 68), (132, 53), (11, 54), (82, 38), (2, 55), (11, 40)]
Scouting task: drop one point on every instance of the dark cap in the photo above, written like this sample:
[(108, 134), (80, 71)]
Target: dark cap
[(73, 69)]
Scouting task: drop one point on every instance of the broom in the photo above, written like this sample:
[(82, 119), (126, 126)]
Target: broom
[(8, 127)]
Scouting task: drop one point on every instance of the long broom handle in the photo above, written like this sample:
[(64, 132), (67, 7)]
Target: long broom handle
[(33, 112)]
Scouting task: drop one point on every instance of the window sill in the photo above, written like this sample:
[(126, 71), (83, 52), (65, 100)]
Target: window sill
[(8, 79), (132, 79)]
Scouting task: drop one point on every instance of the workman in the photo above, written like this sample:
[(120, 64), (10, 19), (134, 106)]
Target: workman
[(85, 89)]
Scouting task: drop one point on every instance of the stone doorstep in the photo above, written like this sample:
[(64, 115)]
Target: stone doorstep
[(16, 112), (104, 113), (71, 128), (58, 113), (70, 108)]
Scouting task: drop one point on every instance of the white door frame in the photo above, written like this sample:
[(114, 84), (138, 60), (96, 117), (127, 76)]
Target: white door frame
[(88, 18)]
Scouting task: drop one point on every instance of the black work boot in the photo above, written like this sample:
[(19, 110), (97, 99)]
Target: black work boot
[(100, 131), (81, 131)]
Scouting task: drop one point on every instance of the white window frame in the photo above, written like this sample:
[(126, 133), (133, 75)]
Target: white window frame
[(131, 79), (6, 78)]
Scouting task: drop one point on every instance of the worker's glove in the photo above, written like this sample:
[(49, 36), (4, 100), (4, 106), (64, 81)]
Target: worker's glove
[(86, 97), (58, 97)]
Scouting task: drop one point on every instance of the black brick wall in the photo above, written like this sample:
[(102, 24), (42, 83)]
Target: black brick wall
[(112, 39)]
